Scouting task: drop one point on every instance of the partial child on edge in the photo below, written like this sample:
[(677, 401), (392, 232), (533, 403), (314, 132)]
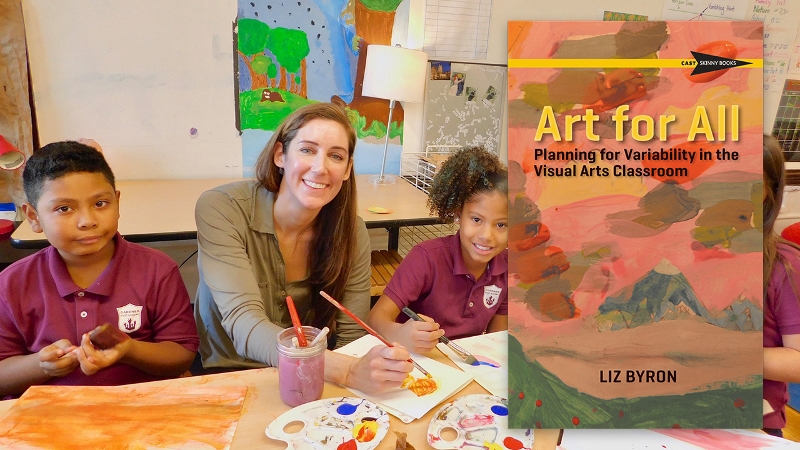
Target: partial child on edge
[(781, 296), (458, 283), (90, 275)]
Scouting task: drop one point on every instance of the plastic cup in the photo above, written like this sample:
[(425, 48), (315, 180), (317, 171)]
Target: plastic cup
[(301, 371)]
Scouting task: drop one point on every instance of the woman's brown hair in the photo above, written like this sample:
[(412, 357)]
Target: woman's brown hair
[(334, 229)]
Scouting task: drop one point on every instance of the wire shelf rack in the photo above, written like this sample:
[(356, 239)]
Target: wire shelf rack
[(419, 168)]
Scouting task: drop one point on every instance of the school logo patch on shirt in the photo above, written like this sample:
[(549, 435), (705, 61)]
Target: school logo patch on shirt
[(491, 295), (130, 318)]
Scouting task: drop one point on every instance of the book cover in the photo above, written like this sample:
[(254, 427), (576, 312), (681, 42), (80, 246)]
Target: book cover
[(635, 190)]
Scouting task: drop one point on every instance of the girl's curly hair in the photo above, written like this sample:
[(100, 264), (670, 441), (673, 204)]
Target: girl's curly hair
[(468, 172)]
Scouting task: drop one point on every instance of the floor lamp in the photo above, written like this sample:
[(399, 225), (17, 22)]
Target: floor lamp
[(395, 74)]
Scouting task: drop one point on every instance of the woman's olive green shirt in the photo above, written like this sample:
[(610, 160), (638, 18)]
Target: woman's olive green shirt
[(241, 300)]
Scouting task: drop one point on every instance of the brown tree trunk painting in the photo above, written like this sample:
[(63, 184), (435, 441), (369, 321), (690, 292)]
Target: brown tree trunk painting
[(374, 26), (259, 80), (303, 91), (282, 79)]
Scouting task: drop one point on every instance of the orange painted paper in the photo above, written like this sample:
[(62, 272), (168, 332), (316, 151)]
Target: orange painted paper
[(134, 416)]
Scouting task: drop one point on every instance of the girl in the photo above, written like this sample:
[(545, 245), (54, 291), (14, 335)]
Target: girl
[(459, 283), (782, 299), (260, 241)]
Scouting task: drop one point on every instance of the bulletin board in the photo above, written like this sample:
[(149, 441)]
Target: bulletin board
[(465, 104)]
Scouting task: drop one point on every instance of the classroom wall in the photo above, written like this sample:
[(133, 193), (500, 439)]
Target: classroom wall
[(179, 54)]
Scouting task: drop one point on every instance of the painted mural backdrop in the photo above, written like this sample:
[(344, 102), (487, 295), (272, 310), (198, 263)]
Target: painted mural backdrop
[(292, 53), (635, 239)]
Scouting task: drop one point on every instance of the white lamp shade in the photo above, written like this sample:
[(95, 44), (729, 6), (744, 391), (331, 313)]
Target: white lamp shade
[(395, 73)]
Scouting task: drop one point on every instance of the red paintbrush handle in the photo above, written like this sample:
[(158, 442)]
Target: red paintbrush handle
[(354, 317), (368, 328), (298, 329)]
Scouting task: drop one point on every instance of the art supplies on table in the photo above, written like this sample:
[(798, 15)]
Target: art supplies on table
[(301, 369), (123, 417), (490, 350), (333, 423), (402, 402), (480, 421)]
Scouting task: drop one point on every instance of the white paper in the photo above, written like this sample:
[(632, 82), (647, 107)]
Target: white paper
[(490, 347), (450, 380), (457, 29), (704, 10)]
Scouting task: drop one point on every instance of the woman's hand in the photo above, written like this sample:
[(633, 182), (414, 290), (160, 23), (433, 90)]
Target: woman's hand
[(382, 368)]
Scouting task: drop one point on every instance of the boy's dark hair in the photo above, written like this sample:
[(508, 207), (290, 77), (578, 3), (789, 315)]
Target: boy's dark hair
[(470, 171), (59, 159)]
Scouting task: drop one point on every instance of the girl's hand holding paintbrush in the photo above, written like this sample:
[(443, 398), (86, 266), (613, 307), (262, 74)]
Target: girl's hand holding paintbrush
[(418, 337)]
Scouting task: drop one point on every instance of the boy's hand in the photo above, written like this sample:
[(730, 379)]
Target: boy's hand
[(420, 337), (93, 359), (58, 359), (380, 369)]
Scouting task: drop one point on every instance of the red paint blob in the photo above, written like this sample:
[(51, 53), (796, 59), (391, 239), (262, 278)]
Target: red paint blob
[(538, 403), (738, 403), (621, 413), (512, 444), (349, 445), (676, 426), (594, 409), (521, 395), (576, 421), (538, 424)]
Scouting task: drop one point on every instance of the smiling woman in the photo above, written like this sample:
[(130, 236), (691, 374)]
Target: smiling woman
[(292, 232)]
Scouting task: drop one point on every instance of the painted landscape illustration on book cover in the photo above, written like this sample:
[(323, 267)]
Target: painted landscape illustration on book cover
[(635, 188)]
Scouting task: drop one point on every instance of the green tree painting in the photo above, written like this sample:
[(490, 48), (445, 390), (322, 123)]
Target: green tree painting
[(276, 60)]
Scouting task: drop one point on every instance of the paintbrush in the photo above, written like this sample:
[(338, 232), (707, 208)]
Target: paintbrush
[(368, 328), (463, 354), (298, 328)]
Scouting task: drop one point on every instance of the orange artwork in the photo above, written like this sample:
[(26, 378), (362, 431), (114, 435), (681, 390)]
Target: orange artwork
[(134, 416), (420, 386)]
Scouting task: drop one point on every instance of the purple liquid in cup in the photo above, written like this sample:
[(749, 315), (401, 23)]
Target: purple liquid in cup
[(301, 371)]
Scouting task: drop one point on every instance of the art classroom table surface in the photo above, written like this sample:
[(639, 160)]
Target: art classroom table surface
[(163, 210), (263, 405)]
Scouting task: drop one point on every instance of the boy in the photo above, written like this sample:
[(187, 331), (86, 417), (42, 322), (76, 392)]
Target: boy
[(90, 275)]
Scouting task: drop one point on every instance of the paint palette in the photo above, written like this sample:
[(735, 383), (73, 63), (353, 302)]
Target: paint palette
[(478, 420), (345, 423)]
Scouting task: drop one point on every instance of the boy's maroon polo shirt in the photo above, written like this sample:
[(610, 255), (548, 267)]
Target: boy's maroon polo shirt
[(141, 292)]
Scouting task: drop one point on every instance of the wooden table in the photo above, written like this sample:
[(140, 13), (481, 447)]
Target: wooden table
[(408, 206), (263, 405), (163, 210)]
